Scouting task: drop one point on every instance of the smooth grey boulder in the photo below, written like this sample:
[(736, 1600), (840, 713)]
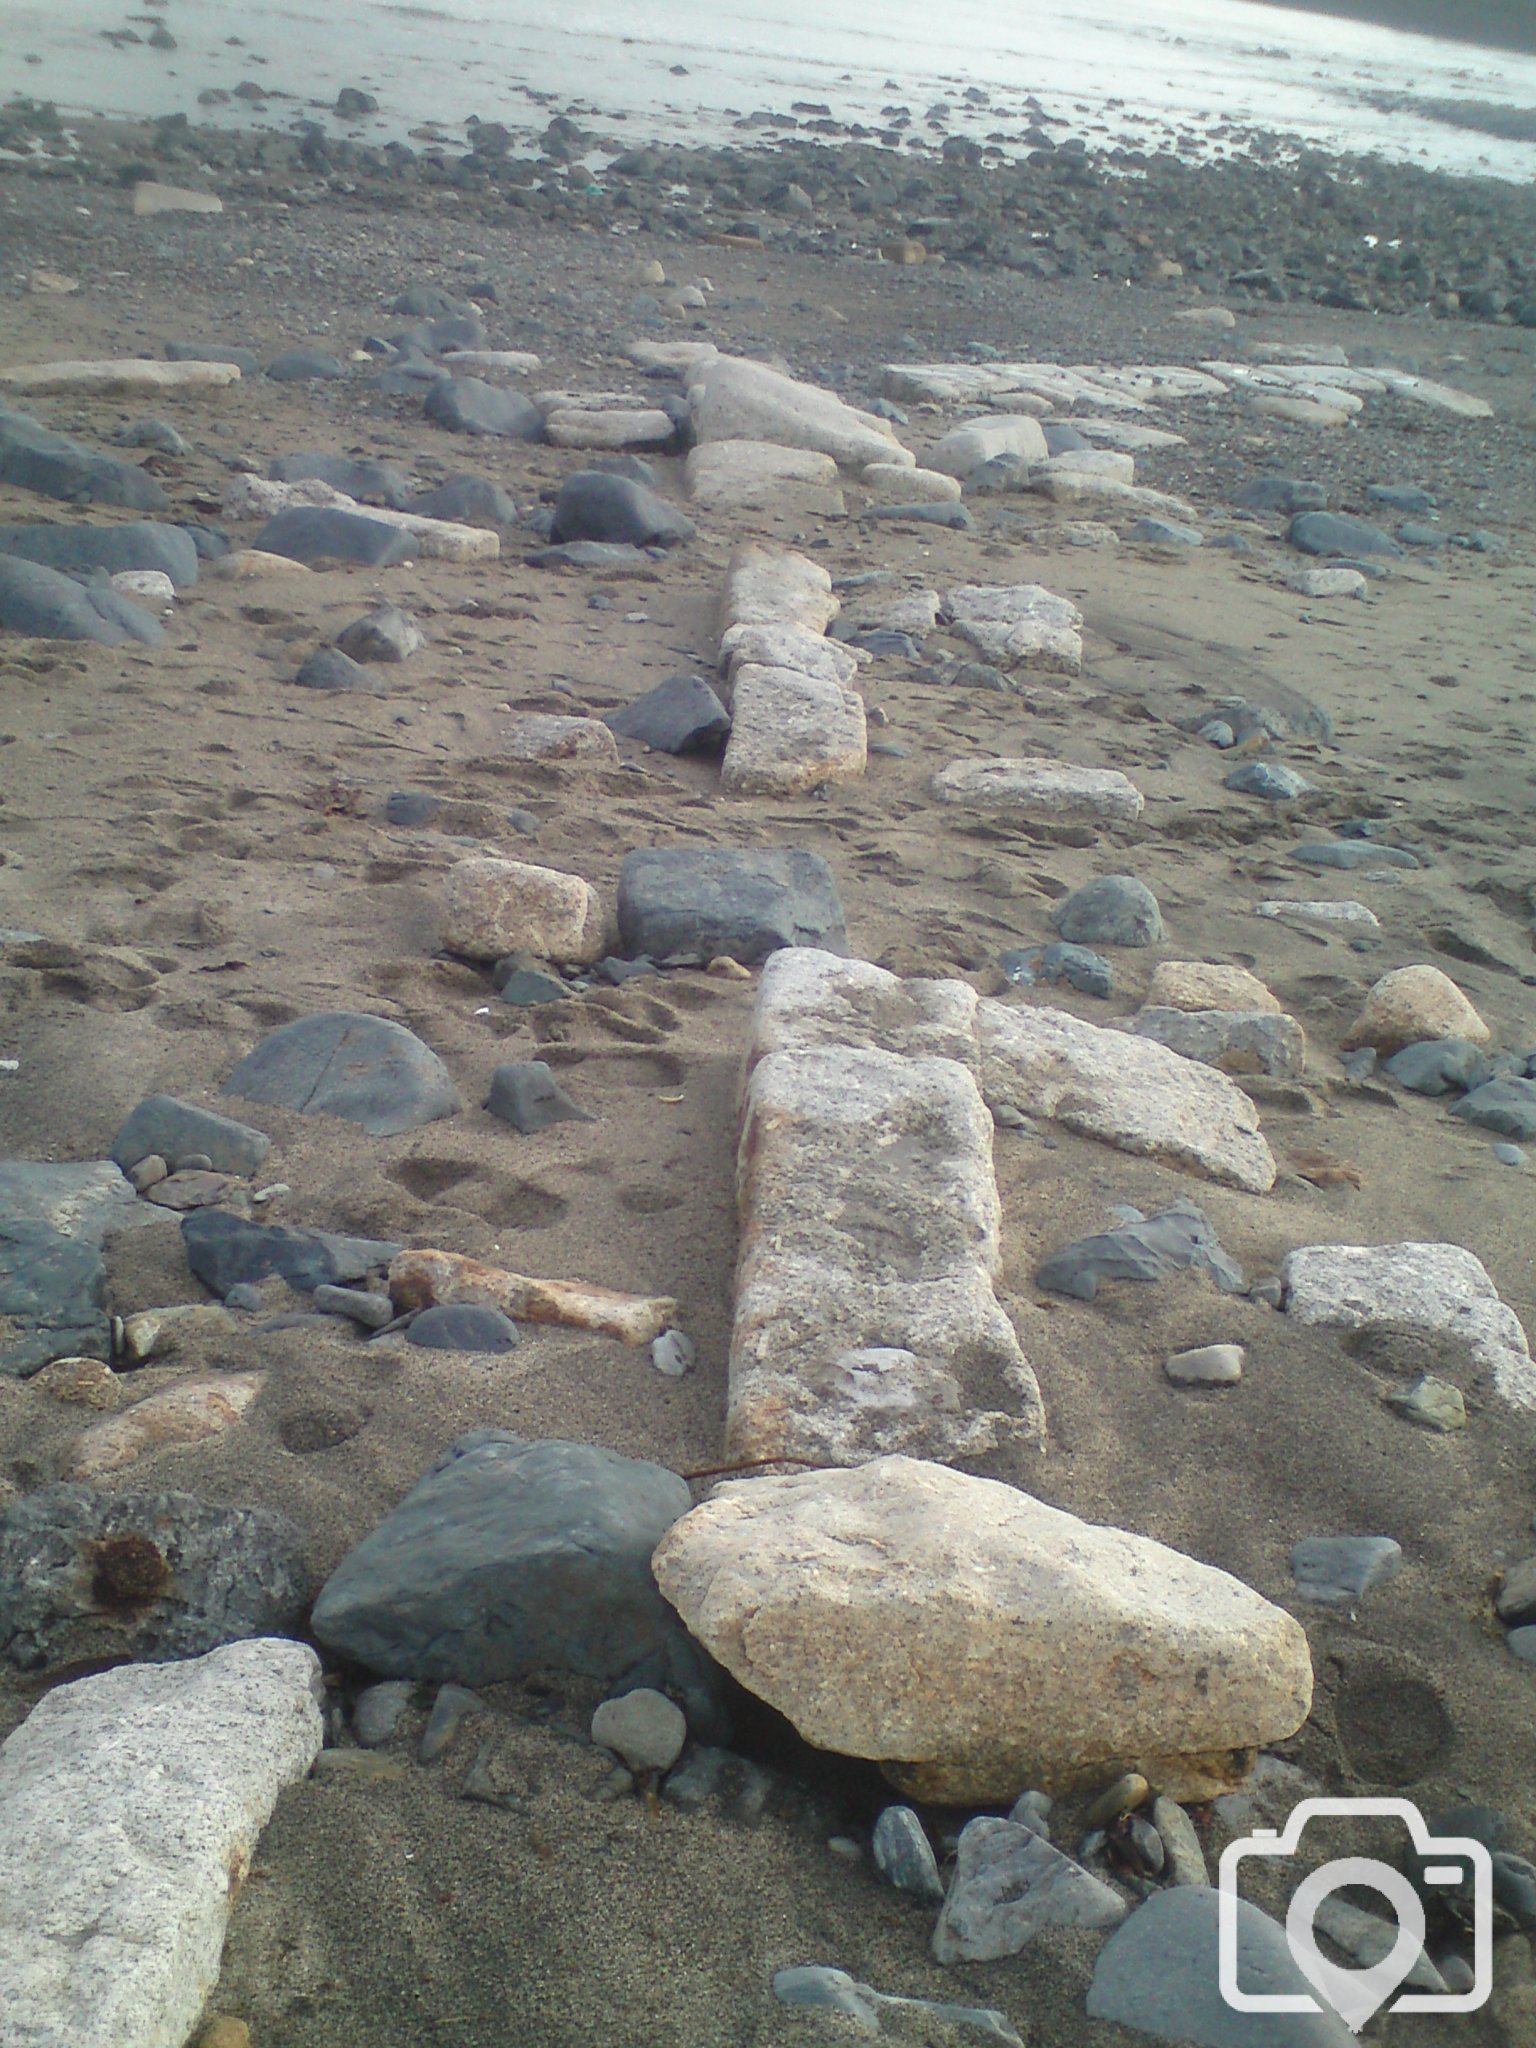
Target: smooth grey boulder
[(305, 365), (34, 459), (1279, 494), (431, 302), (226, 1251), (163, 1124), (509, 1557), (1115, 910), (320, 533), (1507, 1105), (135, 544), (373, 483), (1335, 533), (344, 1063), (468, 500), (1271, 779), (680, 716), (328, 668), (468, 405), (594, 504), (1146, 1248), (245, 360), (158, 1574), (1158, 1974), (1439, 1066), (1352, 853), (1009, 1883), (525, 1094), (681, 903), (46, 605), (53, 1295), (465, 330), (463, 1326), (387, 634)]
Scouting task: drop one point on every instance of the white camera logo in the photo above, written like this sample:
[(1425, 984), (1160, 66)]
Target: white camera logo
[(1356, 1994)]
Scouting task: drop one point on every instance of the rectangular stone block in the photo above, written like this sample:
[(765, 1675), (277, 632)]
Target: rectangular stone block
[(790, 733), (771, 587), (1019, 625)]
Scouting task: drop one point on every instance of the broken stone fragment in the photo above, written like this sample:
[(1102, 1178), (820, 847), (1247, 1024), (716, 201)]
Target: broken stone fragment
[(424, 1279)]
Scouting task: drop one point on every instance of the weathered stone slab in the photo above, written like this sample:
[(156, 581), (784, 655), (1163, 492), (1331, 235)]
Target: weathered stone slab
[(546, 736), (1009, 1883), (1019, 624), (1207, 985), (150, 197), (1326, 915), (737, 400), (636, 427), (751, 474), (865, 1318), (131, 375), (188, 1413), (1236, 1041), (965, 448), (771, 587), (697, 903), (901, 1611), (889, 483), (1134, 1095), (797, 647), (809, 1000), (1439, 1287), (1051, 790), (162, 1124), (130, 1807), (493, 907), (1075, 490), (790, 733)]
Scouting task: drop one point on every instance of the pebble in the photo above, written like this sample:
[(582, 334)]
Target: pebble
[(1183, 1858), (1521, 1643), (643, 1727), (1122, 1797), (372, 1311), (1212, 1365), (1509, 1155), (379, 1709), (147, 1172), (463, 1326), (1271, 779), (904, 1855), (1115, 910), (454, 1705), (1434, 1403), (673, 1353), (1515, 1601), (1337, 1571), (525, 1094), (1033, 1810)]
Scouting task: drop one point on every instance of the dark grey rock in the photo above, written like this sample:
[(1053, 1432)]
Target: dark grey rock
[(45, 605), (525, 1094), (596, 505), (589, 554), (1158, 1974), (1146, 1248), (1337, 1571), (741, 1788), (305, 365), (53, 1294), (375, 483), (1417, 533), (1080, 968), (904, 1855), (1439, 1066), (160, 1575), (1335, 533), (1514, 1887), (245, 360), (474, 499), (1515, 1602), (680, 716), (157, 434), (33, 459), (328, 668), (1115, 910), (1353, 853), (1009, 1883), (226, 1251), (525, 986), (453, 1708), (387, 634), (136, 544), (884, 642), (209, 542), (692, 904), (431, 302), (379, 1710), (1521, 1643), (1505, 1105), (1271, 779), (1405, 498), (468, 405), (369, 1310), (163, 1124), (463, 1326), (411, 807), (1279, 494), (321, 533), (510, 1557), (343, 1063), (1165, 533), (956, 517)]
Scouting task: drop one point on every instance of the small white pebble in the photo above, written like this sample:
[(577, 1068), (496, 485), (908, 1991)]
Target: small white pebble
[(270, 1194), (673, 1353)]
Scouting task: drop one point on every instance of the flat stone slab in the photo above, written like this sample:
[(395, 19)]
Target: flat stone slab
[(150, 197), (809, 1000), (162, 1124), (36, 460), (965, 448), (1075, 489), (1438, 1287), (635, 427), (695, 904), (1324, 914), (53, 1301), (890, 483), (130, 1808), (368, 1070), (546, 736), (803, 648), (1236, 1041), (1009, 1883), (901, 1610), (44, 604), (128, 544), (866, 1320), (321, 533), (1020, 625), (223, 1250), (1133, 1094), (1048, 790), (129, 375), (737, 400), (773, 587), (84, 1572), (790, 733), (511, 1556), (747, 475)]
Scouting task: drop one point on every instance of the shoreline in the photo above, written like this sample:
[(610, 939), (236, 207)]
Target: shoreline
[(1513, 27)]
